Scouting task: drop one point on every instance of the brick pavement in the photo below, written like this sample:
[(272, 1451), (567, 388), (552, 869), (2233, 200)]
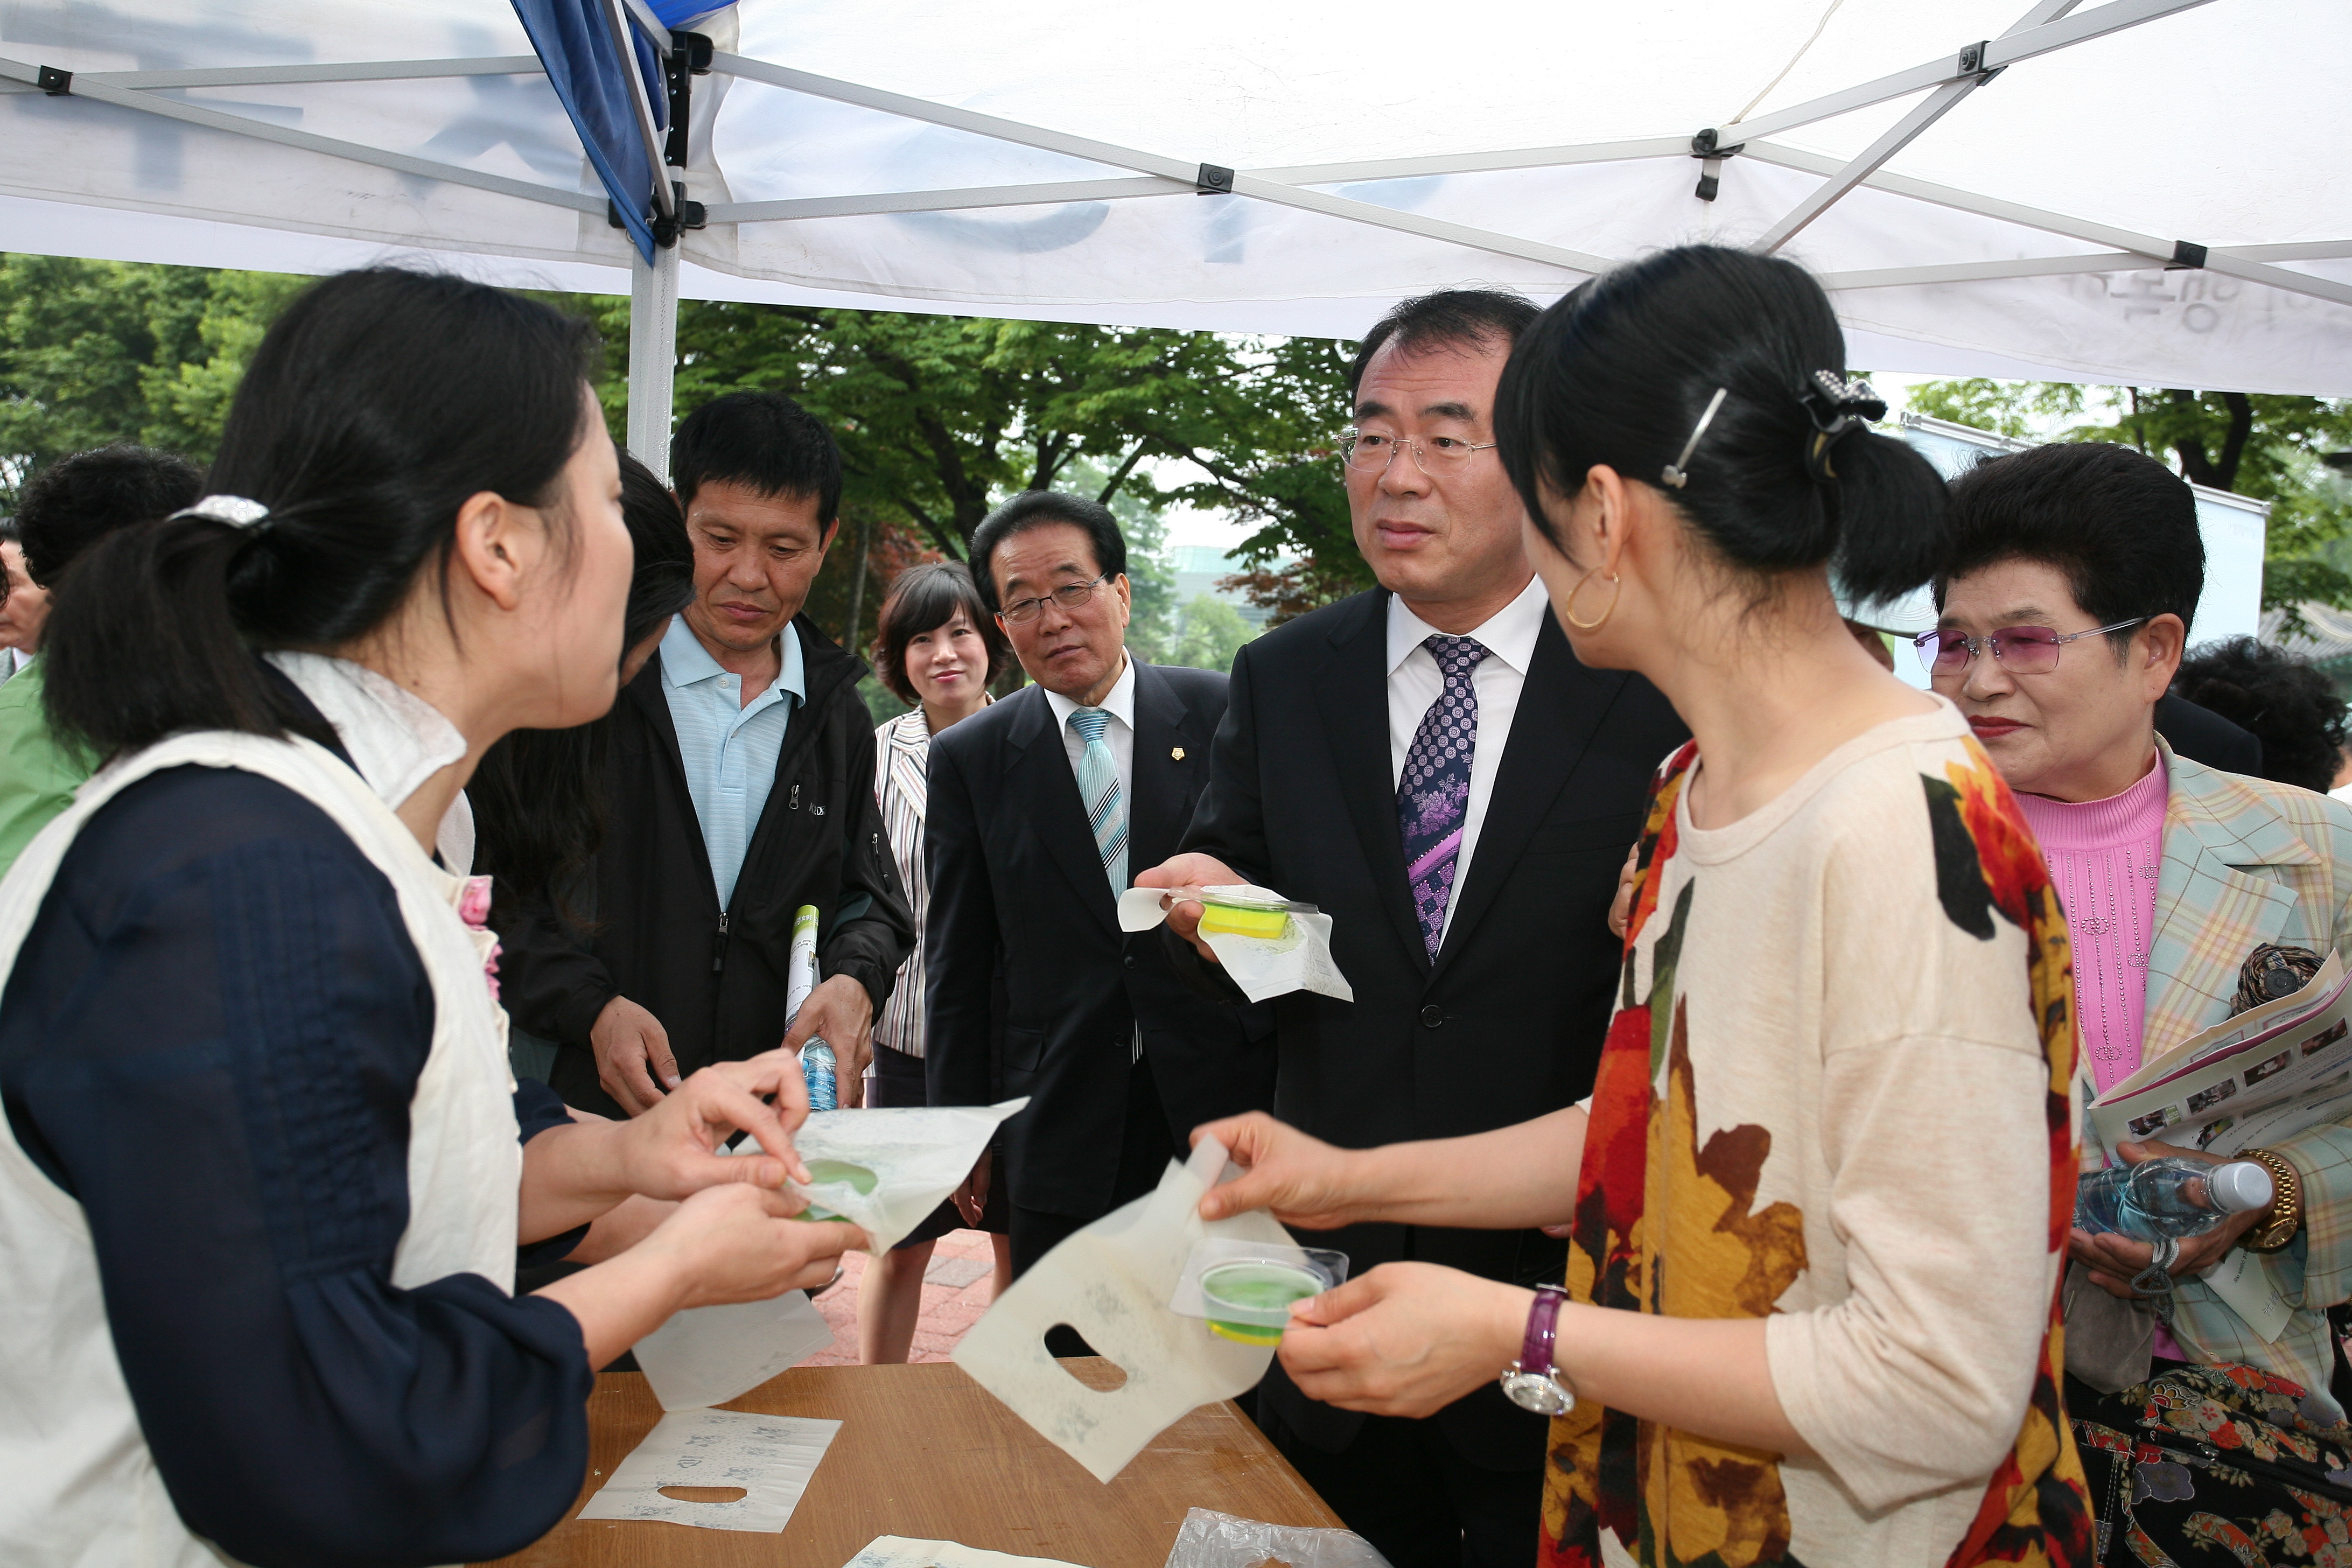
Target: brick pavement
[(955, 1293)]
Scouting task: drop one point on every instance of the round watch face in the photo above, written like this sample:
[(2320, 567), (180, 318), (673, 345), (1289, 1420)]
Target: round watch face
[(1536, 1392)]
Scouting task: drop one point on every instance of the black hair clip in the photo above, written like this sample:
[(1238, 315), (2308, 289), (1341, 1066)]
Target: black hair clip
[(1837, 408)]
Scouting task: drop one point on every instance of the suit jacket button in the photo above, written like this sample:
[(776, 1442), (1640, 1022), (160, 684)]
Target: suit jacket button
[(1431, 1016), (1130, 960)]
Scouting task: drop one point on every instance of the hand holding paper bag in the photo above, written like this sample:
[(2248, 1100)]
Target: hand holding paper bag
[(1112, 1282), (885, 1170)]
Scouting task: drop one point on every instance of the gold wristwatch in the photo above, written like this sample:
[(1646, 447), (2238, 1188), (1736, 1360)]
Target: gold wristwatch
[(2285, 1216)]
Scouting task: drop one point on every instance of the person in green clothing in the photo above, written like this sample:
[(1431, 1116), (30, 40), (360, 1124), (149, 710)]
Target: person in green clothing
[(62, 511)]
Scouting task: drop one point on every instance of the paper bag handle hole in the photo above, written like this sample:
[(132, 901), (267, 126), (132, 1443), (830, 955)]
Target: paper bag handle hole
[(1101, 1375), (704, 1494)]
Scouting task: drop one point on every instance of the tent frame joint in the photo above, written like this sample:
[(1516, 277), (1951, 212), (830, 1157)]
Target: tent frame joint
[(1710, 174), (2188, 256), (666, 227), (55, 83), (1213, 180)]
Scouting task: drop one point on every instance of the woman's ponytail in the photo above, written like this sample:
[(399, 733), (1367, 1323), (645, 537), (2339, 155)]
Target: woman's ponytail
[(1893, 517), (1716, 375), (141, 640)]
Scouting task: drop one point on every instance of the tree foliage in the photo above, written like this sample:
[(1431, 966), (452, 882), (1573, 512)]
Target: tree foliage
[(2275, 448), (93, 352), (940, 417)]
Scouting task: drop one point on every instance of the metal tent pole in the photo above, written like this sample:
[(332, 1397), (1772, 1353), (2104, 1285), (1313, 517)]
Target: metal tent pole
[(652, 354)]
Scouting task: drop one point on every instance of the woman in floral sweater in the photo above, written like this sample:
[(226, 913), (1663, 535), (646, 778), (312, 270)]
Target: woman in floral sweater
[(1816, 1201)]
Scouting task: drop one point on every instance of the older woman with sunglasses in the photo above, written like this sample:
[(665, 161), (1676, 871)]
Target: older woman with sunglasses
[(2071, 588)]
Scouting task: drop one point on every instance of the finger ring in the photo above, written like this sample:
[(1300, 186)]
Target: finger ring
[(830, 1283)]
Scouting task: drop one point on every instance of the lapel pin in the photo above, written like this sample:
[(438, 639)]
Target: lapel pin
[(1175, 753)]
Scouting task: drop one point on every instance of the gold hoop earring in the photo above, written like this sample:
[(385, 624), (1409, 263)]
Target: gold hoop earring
[(1567, 609)]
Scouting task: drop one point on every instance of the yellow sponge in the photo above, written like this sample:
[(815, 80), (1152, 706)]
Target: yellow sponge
[(1232, 919)]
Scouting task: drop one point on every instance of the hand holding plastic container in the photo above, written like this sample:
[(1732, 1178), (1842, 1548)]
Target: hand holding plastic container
[(1243, 1289), (817, 1066), (2172, 1196)]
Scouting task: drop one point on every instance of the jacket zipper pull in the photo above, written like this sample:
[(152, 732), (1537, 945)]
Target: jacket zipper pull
[(719, 945), (792, 801)]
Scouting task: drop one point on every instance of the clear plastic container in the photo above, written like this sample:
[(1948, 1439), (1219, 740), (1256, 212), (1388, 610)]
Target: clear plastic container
[(1243, 1289)]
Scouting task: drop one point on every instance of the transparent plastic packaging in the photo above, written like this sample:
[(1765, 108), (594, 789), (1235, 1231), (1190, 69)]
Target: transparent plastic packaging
[(1211, 1539)]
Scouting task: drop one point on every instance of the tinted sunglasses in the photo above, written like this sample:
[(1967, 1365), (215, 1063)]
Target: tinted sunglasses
[(2023, 650)]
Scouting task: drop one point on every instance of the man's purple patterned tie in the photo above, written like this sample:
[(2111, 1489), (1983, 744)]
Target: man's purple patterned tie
[(1434, 796)]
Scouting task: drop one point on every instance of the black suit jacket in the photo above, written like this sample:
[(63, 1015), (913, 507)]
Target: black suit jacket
[(1507, 1022), (2204, 736), (1016, 881)]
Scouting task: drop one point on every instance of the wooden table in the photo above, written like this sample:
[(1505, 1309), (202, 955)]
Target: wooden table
[(925, 1452)]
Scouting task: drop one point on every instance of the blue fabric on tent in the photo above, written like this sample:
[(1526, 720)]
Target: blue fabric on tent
[(584, 61), (678, 13)]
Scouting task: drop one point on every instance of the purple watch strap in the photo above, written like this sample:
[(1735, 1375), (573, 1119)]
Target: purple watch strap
[(1543, 1325)]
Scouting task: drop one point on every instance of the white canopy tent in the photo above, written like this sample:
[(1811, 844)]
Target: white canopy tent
[(2131, 191)]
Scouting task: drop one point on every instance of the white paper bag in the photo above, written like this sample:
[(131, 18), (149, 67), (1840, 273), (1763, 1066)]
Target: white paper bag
[(886, 1170), (771, 1458), (708, 1355), (1111, 1282)]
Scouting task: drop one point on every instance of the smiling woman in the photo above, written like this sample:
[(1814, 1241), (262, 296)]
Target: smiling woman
[(2074, 578)]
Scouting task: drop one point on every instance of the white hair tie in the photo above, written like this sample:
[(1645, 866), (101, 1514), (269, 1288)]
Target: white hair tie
[(236, 512)]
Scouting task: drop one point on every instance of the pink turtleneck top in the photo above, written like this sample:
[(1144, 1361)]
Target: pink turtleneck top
[(2104, 857)]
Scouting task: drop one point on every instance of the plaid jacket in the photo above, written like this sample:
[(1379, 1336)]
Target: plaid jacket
[(2247, 861)]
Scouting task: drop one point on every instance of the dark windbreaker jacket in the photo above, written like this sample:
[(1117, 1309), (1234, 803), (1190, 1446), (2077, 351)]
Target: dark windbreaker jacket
[(716, 978)]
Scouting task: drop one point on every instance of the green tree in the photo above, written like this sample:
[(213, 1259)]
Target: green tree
[(2275, 448), (96, 352), (940, 417), (1209, 633)]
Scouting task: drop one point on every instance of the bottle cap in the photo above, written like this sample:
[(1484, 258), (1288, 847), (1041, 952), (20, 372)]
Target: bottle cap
[(2239, 1187)]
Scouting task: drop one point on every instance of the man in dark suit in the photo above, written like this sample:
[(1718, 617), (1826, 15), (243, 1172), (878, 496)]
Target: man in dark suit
[(1038, 805), (1429, 764)]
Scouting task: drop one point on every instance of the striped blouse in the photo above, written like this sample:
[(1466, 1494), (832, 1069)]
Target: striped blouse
[(902, 751)]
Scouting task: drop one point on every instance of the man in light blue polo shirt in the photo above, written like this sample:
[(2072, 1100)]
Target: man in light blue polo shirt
[(738, 790), (730, 731)]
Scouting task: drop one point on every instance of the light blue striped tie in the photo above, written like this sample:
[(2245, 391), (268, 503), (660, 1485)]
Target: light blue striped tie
[(1099, 787)]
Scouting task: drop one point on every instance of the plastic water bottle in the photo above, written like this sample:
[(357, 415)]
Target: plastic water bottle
[(825, 1094), (2171, 1196)]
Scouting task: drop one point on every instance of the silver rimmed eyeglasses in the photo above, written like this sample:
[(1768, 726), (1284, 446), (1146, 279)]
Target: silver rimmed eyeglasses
[(2023, 650), (1069, 595), (1371, 451)]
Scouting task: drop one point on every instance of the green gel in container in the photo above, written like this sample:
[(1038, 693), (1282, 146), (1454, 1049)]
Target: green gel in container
[(1250, 1293)]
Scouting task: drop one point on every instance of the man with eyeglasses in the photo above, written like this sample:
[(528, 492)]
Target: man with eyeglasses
[(2073, 586), (1429, 763), (1038, 807)]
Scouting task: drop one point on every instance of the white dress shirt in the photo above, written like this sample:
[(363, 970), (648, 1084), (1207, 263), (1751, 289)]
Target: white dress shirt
[(1118, 734), (1415, 681)]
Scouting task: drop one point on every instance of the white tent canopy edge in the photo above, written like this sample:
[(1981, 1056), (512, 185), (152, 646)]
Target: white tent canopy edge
[(1954, 313)]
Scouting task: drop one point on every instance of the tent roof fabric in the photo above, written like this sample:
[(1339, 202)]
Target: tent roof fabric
[(2008, 199)]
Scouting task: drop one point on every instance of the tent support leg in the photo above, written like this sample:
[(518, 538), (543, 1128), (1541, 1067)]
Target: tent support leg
[(652, 354)]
